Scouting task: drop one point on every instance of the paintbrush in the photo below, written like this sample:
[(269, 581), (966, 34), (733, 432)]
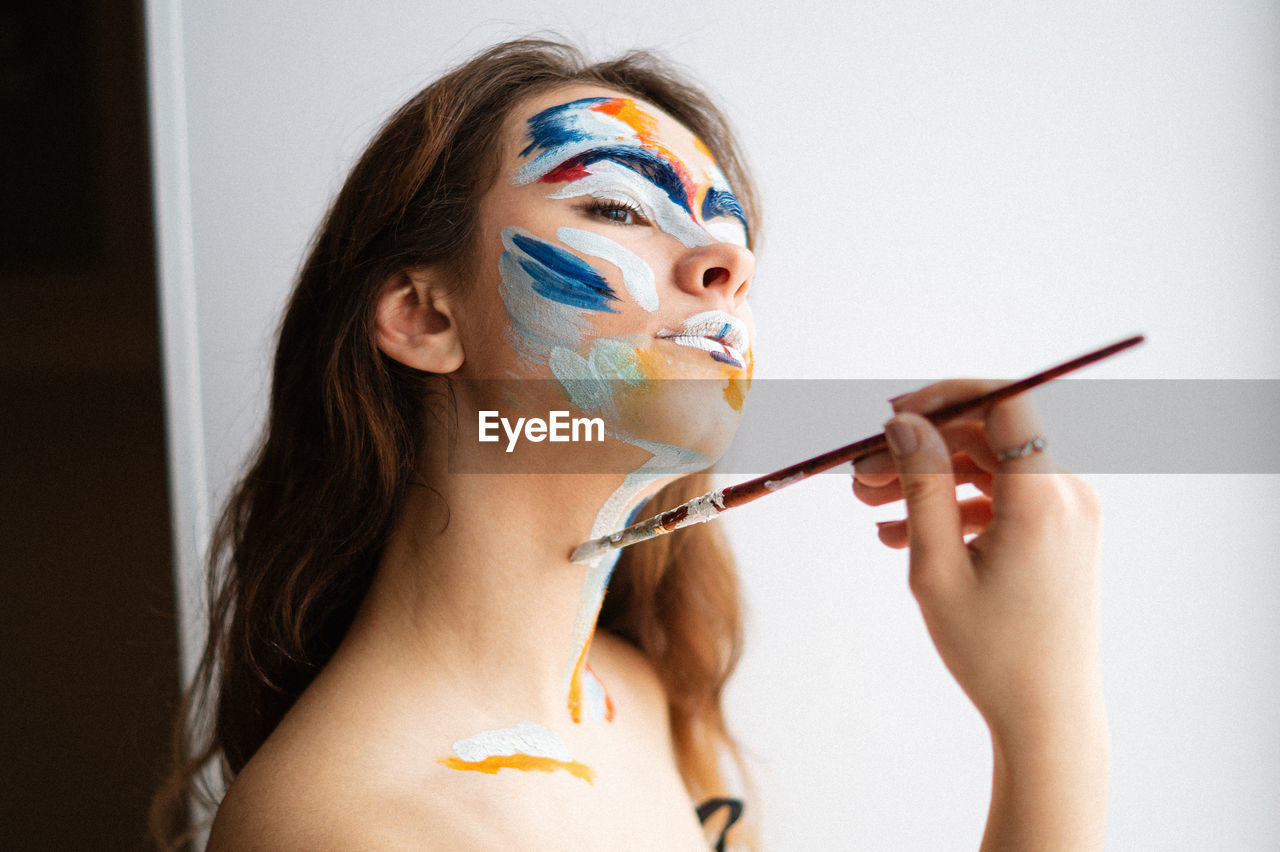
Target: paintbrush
[(708, 506)]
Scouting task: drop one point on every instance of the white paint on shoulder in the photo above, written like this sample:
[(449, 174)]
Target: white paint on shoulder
[(525, 738)]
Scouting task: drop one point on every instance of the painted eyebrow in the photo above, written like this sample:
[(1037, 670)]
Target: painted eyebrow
[(662, 174), (643, 162), (722, 202)]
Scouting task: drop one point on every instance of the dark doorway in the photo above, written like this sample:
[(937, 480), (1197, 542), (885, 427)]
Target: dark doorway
[(88, 656)]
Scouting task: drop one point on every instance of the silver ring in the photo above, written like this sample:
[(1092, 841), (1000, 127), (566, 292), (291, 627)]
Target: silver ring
[(1035, 445)]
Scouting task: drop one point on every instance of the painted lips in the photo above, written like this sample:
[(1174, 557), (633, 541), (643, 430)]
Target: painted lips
[(722, 335)]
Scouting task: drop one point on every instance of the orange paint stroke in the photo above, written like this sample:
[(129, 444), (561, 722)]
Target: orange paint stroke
[(645, 126), (626, 111), (575, 682), (735, 390), (524, 762), (648, 364), (608, 699)]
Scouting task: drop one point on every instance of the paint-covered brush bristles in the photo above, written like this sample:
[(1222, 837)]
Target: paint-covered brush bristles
[(699, 510), (708, 506)]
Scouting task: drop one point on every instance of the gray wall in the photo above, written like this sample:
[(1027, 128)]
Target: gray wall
[(950, 189)]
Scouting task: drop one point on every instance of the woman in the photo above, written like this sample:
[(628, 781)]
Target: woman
[(403, 654)]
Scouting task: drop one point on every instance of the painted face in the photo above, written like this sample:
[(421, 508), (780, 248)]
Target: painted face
[(623, 266)]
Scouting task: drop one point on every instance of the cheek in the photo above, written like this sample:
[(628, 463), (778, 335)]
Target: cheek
[(551, 296), (637, 275), (557, 275)]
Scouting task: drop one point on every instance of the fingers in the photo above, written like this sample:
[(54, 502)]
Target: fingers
[(877, 488), (935, 528), (975, 514), (1005, 426), (877, 469), (1020, 501)]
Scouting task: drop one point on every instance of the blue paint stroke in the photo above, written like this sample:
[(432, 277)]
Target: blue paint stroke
[(725, 358), (563, 277), (635, 514), (565, 125), (722, 202), (649, 165), (559, 125)]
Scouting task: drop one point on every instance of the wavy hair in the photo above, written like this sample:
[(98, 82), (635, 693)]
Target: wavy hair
[(298, 543)]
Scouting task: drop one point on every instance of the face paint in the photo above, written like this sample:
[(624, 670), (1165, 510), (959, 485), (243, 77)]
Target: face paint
[(603, 145), (539, 321), (559, 275), (567, 138), (609, 149), (718, 204), (637, 277), (527, 747), (614, 182), (589, 380), (722, 335)]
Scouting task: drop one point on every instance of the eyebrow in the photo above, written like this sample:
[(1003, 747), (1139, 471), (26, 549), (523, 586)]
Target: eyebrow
[(560, 127), (722, 202), (650, 166)]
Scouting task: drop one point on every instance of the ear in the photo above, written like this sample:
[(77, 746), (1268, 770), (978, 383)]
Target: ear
[(415, 323)]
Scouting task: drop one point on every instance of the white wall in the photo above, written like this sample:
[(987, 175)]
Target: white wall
[(950, 189)]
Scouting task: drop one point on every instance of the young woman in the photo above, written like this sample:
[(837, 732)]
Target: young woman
[(524, 322)]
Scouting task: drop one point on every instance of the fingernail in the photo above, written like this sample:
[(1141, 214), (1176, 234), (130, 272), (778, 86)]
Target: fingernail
[(883, 524), (901, 437)]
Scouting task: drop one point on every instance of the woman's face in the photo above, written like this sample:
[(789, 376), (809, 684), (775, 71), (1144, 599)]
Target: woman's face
[(613, 274)]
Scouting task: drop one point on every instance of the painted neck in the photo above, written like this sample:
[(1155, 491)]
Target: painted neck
[(476, 587)]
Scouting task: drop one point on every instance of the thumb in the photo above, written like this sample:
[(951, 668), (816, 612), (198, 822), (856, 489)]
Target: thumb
[(923, 461)]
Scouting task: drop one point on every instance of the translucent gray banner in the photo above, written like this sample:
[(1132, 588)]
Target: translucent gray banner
[(1092, 426)]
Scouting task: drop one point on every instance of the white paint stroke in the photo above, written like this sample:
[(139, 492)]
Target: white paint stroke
[(525, 738), (538, 324), (637, 276), (615, 182)]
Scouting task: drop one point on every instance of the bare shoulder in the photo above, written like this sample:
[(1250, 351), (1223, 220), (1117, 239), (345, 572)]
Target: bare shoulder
[(305, 794)]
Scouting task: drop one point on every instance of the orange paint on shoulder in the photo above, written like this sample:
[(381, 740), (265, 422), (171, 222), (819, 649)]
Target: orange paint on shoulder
[(524, 762)]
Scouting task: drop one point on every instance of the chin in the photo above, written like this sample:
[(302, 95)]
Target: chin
[(689, 421)]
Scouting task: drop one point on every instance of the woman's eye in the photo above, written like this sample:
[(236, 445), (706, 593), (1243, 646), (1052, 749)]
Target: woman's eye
[(617, 211)]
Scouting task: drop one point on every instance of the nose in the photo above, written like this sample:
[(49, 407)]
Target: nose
[(720, 270)]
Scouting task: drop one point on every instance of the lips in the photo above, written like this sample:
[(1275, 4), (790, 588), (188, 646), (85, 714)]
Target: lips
[(721, 335)]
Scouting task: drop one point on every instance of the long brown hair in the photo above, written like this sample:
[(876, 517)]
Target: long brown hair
[(295, 551)]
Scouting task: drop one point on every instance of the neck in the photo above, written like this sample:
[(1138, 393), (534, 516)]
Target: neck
[(476, 585)]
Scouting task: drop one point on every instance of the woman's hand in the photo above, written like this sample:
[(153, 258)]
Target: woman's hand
[(1013, 611)]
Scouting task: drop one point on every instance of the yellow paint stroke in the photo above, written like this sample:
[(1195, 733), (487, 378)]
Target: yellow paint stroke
[(581, 668), (648, 364), (575, 682), (735, 390), (524, 762)]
